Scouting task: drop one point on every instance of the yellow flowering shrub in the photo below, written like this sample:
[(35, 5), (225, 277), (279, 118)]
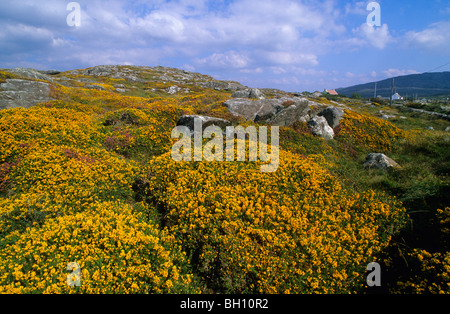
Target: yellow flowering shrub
[(61, 180), (366, 132), (22, 130), (116, 249), (102, 101), (295, 230), (430, 273), (88, 178), (444, 220), (133, 131)]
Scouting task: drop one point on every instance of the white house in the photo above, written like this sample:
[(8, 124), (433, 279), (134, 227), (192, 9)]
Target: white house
[(397, 96)]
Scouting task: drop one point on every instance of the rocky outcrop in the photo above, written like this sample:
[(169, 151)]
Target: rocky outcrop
[(95, 86), (379, 161), (172, 90), (50, 72), (286, 111), (333, 115), (31, 73), (189, 121), (252, 93), (222, 85), (23, 93), (295, 110), (319, 127), (282, 111), (254, 110)]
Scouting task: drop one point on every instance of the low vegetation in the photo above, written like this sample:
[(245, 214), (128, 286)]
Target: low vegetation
[(88, 178)]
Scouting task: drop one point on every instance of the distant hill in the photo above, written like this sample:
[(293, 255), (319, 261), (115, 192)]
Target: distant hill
[(422, 85)]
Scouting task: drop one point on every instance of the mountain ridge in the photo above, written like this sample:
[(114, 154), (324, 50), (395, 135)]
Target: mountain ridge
[(412, 85)]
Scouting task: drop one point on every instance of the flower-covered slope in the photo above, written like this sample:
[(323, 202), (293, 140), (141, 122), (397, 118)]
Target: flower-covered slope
[(88, 178)]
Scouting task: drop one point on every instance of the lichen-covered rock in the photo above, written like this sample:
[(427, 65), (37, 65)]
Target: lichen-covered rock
[(252, 93), (254, 110), (379, 161), (333, 115), (23, 93), (319, 127)]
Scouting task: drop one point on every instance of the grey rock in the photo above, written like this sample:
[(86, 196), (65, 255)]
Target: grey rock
[(101, 70), (31, 73), (252, 93), (447, 129), (387, 117), (172, 90), (23, 93), (254, 110), (222, 85), (317, 94), (319, 127), (301, 110), (379, 161), (50, 72), (284, 111), (113, 71), (95, 86), (189, 121), (121, 90), (333, 115)]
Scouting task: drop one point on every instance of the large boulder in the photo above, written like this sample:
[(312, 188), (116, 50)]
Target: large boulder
[(49, 72), (319, 127), (284, 111), (295, 110), (379, 161), (252, 93), (333, 115), (23, 93), (254, 110)]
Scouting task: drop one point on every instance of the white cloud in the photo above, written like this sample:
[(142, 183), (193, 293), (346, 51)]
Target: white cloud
[(350, 75), (398, 72), (291, 58), (358, 8), (227, 60), (435, 38), (378, 37), (258, 70), (159, 25), (258, 39)]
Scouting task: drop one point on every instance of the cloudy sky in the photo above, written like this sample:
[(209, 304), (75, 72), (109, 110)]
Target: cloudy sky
[(293, 45)]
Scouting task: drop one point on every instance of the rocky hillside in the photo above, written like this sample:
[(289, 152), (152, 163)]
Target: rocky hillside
[(87, 180)]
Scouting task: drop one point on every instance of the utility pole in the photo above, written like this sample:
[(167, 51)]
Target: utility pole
[(375, 93), (392, 91)]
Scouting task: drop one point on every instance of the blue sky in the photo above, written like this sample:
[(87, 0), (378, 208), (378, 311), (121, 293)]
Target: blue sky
[(287, 44)]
